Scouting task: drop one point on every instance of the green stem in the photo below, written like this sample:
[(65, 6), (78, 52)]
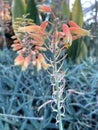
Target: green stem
[(56, 73), (58, 98)]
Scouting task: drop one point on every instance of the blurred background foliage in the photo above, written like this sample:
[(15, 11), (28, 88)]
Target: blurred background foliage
[(21, 94)]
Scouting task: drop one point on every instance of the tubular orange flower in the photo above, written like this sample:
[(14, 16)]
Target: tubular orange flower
[(42, 61), (14, 37), (76, 29), (16, 41), (38, 38), (32, 28), (79, 31), (25, 63), (44, 25), (67, 32), (20, 52), (39, 43), (38, 64), (17, 46), (41, 58), (19, 60), (45, 65), (18, 36), (34, 62), (44, 8)]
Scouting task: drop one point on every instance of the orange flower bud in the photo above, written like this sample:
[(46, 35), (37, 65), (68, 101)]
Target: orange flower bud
[(40, 48), (66, 30), (44, 8), (73, 24), (17, 46)]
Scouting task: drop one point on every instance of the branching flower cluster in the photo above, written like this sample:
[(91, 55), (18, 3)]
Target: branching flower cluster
[(29, 44), (31, 39)]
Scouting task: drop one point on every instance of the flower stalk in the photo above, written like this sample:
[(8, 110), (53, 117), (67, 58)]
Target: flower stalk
[(57, 92), (58, 98)]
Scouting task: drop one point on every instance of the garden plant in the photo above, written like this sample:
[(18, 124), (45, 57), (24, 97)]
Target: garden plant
[(47, 82)]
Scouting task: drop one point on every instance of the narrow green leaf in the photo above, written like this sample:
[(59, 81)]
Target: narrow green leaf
[(18, 9), (33, 12), (65, 10), (81, 52), (77, 13)]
